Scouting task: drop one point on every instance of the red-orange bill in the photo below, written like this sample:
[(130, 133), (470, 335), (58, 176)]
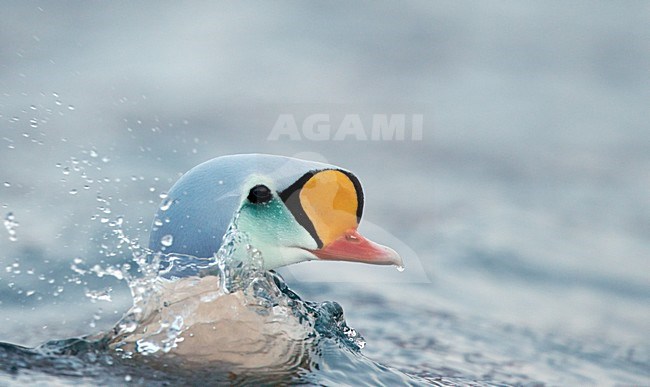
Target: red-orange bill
[(353, 247)]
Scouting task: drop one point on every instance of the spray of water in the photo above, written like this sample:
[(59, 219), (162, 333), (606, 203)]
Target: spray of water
[(225, 309)]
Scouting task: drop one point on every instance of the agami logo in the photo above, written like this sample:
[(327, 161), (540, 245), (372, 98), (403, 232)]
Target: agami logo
[(320, 127)]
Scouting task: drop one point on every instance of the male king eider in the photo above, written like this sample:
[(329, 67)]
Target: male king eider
[(292, 211)]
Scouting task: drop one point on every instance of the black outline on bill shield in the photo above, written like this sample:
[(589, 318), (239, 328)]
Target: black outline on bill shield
[(291, 198)]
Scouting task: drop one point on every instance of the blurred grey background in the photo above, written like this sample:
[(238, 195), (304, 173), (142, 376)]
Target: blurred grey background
[(527, 200)]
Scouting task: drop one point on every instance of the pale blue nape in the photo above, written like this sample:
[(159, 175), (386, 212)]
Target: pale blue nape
[(205, 199)]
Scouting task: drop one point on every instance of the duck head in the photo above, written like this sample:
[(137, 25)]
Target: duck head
[(292, 210)]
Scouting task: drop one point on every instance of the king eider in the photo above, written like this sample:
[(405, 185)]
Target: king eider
[(292, 210)]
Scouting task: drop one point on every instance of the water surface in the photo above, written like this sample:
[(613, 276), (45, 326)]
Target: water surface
[(523, 213)]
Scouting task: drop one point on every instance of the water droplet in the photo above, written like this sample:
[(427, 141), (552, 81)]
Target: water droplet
[(7, 184), (164, 206), (99, 295), (399, 268), (10, 225), (255, 253), (167, 240), (33, 123), (70, 107), (58, 102), (73, 191), (93, 153), (127, 378)]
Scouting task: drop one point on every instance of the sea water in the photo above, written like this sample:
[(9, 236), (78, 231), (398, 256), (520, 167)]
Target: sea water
[(226, 320)]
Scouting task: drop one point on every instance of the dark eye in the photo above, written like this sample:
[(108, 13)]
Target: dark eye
[(260, 194)]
